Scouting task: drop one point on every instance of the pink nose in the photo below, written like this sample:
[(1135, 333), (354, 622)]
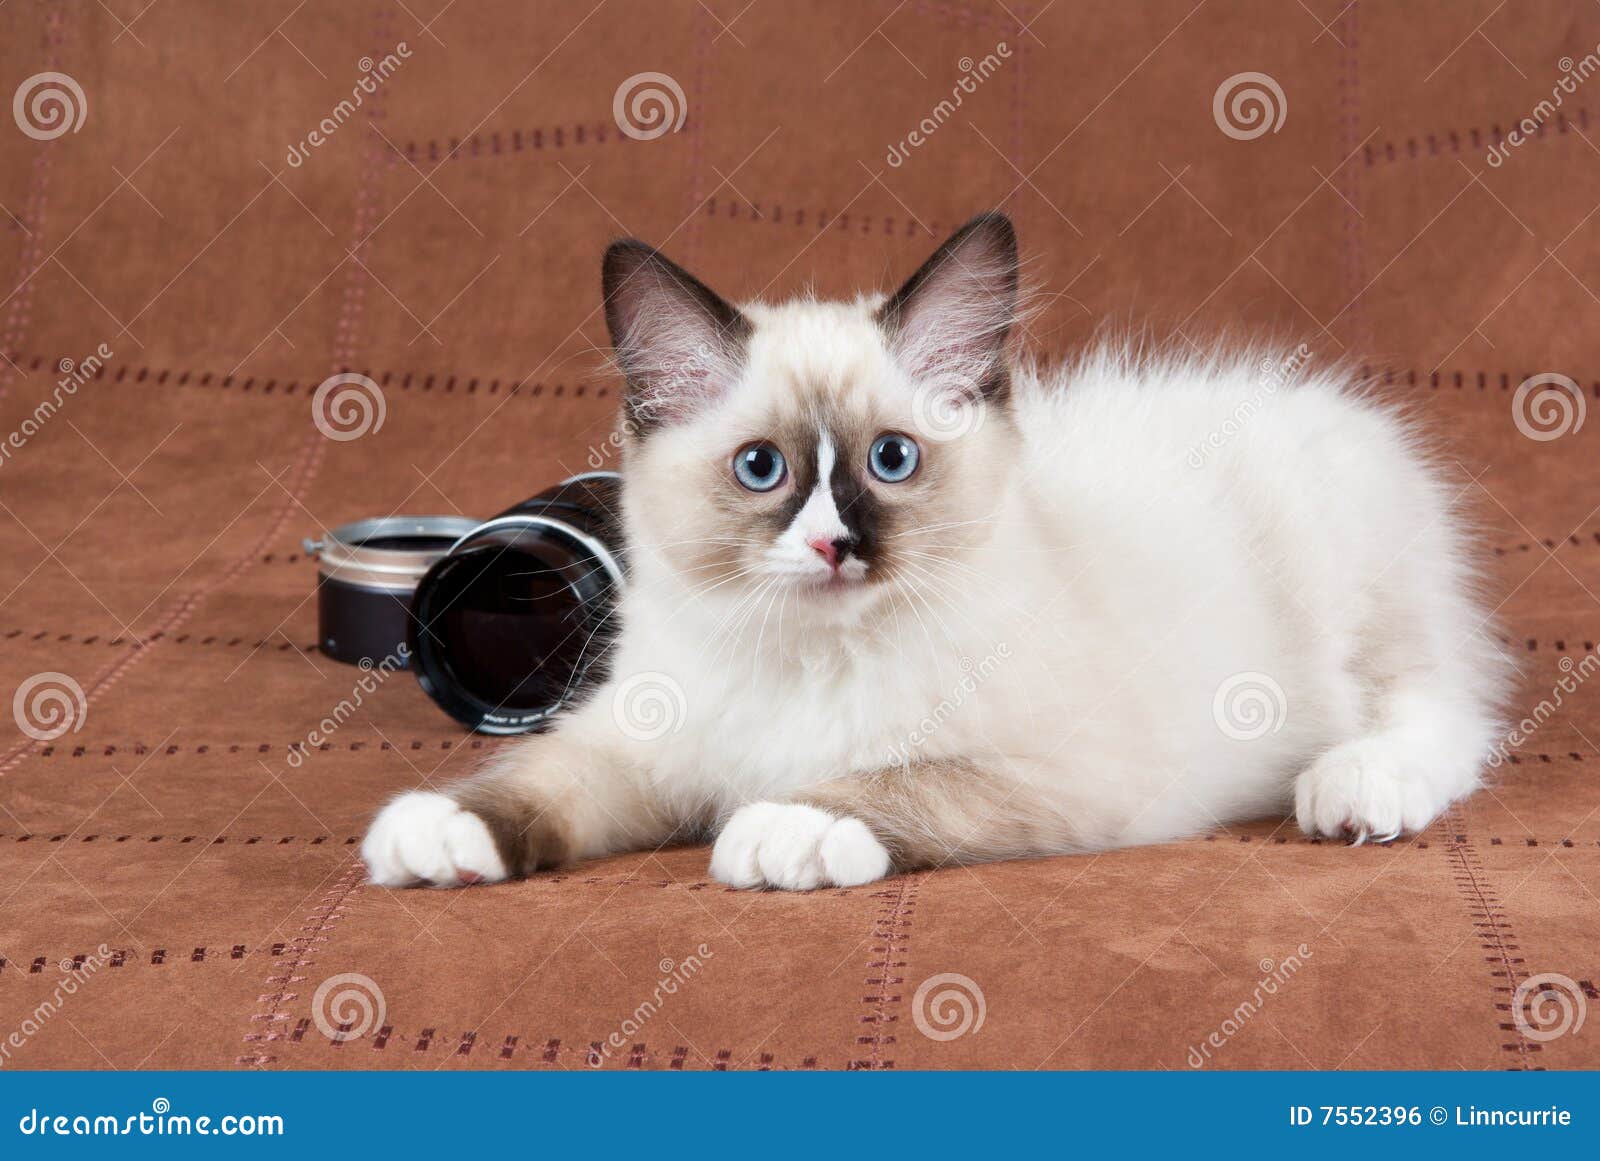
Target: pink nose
[(827, 549)]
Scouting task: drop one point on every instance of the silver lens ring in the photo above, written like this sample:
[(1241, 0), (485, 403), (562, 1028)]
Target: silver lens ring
[(602, 554), (353, 554)]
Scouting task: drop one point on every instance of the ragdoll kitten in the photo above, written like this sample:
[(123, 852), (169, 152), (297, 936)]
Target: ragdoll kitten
[(897, 598)]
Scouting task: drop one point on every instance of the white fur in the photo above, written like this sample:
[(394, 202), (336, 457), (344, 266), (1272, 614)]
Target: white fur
[(1315, 545), (797, 848), (1155, 531), (423, 837)]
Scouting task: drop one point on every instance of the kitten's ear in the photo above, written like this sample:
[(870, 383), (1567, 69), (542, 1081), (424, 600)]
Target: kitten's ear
[(678, 343), (952, 318)]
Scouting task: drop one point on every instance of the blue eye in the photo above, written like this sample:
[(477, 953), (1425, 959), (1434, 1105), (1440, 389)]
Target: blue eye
[(759, 467), (893, 458)]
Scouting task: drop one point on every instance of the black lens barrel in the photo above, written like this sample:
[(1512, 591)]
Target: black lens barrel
[(367, 572), (508, 626)]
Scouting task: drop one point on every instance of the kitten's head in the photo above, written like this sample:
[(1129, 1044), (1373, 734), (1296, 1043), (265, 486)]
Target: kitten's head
[(834, 451)]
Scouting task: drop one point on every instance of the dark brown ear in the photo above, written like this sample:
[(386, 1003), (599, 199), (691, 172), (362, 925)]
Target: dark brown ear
[(953, 316), (679, 345)]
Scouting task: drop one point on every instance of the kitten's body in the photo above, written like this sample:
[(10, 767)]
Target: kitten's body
[(1132, 600)]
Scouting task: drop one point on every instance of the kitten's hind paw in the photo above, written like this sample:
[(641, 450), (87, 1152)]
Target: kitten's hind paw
[(796, 848), (423, 837)]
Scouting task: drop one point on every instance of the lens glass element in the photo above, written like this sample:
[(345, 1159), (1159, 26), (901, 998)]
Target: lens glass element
[(514, 631)]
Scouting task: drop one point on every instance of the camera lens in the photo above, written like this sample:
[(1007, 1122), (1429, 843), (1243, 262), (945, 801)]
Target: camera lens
[(367, 572), (510, 624)]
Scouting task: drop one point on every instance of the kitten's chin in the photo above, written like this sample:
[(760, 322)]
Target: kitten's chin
[(831, 583), (837, 599), (831, 595)]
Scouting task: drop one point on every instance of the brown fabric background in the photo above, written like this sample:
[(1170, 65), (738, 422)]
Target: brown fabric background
[(446, 242)]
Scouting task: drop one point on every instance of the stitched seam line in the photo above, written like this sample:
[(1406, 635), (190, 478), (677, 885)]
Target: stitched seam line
[(423, 382), (19, 316), (389, 1041), (274, 1011), (1492, 932), (890, 941), (1477, 140)]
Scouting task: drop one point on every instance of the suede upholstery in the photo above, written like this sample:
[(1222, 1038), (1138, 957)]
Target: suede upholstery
[(444, 239)]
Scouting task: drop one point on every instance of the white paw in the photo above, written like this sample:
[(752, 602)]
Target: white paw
[(423, 837), (797, 848), (1363, 790)]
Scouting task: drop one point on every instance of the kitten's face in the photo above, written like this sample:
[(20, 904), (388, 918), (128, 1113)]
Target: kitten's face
[(818, 457)]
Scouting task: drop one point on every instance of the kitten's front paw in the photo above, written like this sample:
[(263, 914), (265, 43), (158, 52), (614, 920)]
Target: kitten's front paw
[(796, 848), (423, 837), (1361, 790)]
